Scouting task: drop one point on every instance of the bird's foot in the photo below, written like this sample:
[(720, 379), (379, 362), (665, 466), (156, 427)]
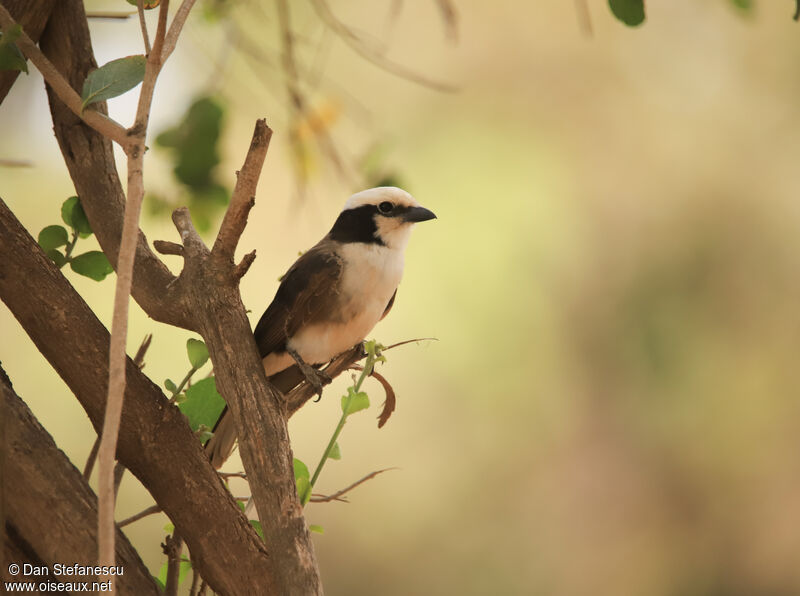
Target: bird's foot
[(314, 377)]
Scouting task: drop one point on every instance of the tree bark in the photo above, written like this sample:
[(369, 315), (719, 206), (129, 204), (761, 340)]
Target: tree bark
[(155, 442), (51, 517)]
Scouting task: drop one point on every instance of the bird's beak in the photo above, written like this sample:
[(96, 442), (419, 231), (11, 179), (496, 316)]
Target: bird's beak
[(418, 214)]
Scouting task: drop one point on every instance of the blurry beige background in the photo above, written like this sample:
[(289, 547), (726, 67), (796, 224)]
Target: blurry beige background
[(614, 280)]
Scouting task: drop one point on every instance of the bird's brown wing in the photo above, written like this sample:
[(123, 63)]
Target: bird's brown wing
[(307, 288), (389, 306)]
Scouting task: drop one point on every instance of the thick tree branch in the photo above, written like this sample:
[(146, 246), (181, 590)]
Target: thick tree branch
[(211, 286), (155, 442), (57, 530)]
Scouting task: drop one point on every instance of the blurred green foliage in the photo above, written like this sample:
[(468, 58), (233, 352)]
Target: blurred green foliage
[(193, 147)]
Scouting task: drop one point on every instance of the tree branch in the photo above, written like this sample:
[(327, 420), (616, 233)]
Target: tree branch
[(32, 15), (56, 530), (154, 435), (243, 198), (97, 120), (211, 290), (90, 159)]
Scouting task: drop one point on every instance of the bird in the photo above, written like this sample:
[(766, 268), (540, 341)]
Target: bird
[(333, 295)]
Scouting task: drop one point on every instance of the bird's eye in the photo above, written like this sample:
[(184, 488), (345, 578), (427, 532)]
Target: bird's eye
[(385, 207)]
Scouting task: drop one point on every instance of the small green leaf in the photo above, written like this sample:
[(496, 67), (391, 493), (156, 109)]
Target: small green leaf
[(147, 4), (179, 399), (630, 12), (316, 528), (170, 385), (300, 470), (10, 56), (113, 79), (743, 5), (52, 237), (93, 264), (203, 404), (197, 352), (57, 257), (335, 453), (302, 480), (169, 528), (257, 525), (74, 216), (354, 402)]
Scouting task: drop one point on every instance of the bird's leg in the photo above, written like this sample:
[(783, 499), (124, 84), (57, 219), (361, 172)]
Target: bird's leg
[(316, 378)]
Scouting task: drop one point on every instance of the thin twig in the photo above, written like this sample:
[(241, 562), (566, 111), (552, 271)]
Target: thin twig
[(172, 548), (138, 360), (178, 21), (195, 581), (584, 18), (357, 44), (149, 511), (16, 163), (233, 475), (243, 197), (410, 341), (336, 496), (119, 324), (87, 469), (107, 14), (100, 122), (449, 18), (143, 25)]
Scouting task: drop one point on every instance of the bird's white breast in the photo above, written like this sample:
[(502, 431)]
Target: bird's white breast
[(370, 275)]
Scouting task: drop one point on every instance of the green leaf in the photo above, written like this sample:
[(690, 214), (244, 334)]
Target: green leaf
[(194, 143), (257, 525), (316, 528), (52, 237), (57, 257), (75, 217), (169, 528), (93, 264), (302, 480), (335, 453), (197, 352), (300, 470), (170, 385), (303, 490), (147, 4), (10, 56), (113, 79), (743, 5), (203, 404), (354, 402), (630, 12)]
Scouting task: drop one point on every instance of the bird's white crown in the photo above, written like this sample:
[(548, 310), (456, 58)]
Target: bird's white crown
[(374, 196)]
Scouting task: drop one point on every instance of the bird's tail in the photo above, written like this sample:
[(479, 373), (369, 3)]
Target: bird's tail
[(220, 446)]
